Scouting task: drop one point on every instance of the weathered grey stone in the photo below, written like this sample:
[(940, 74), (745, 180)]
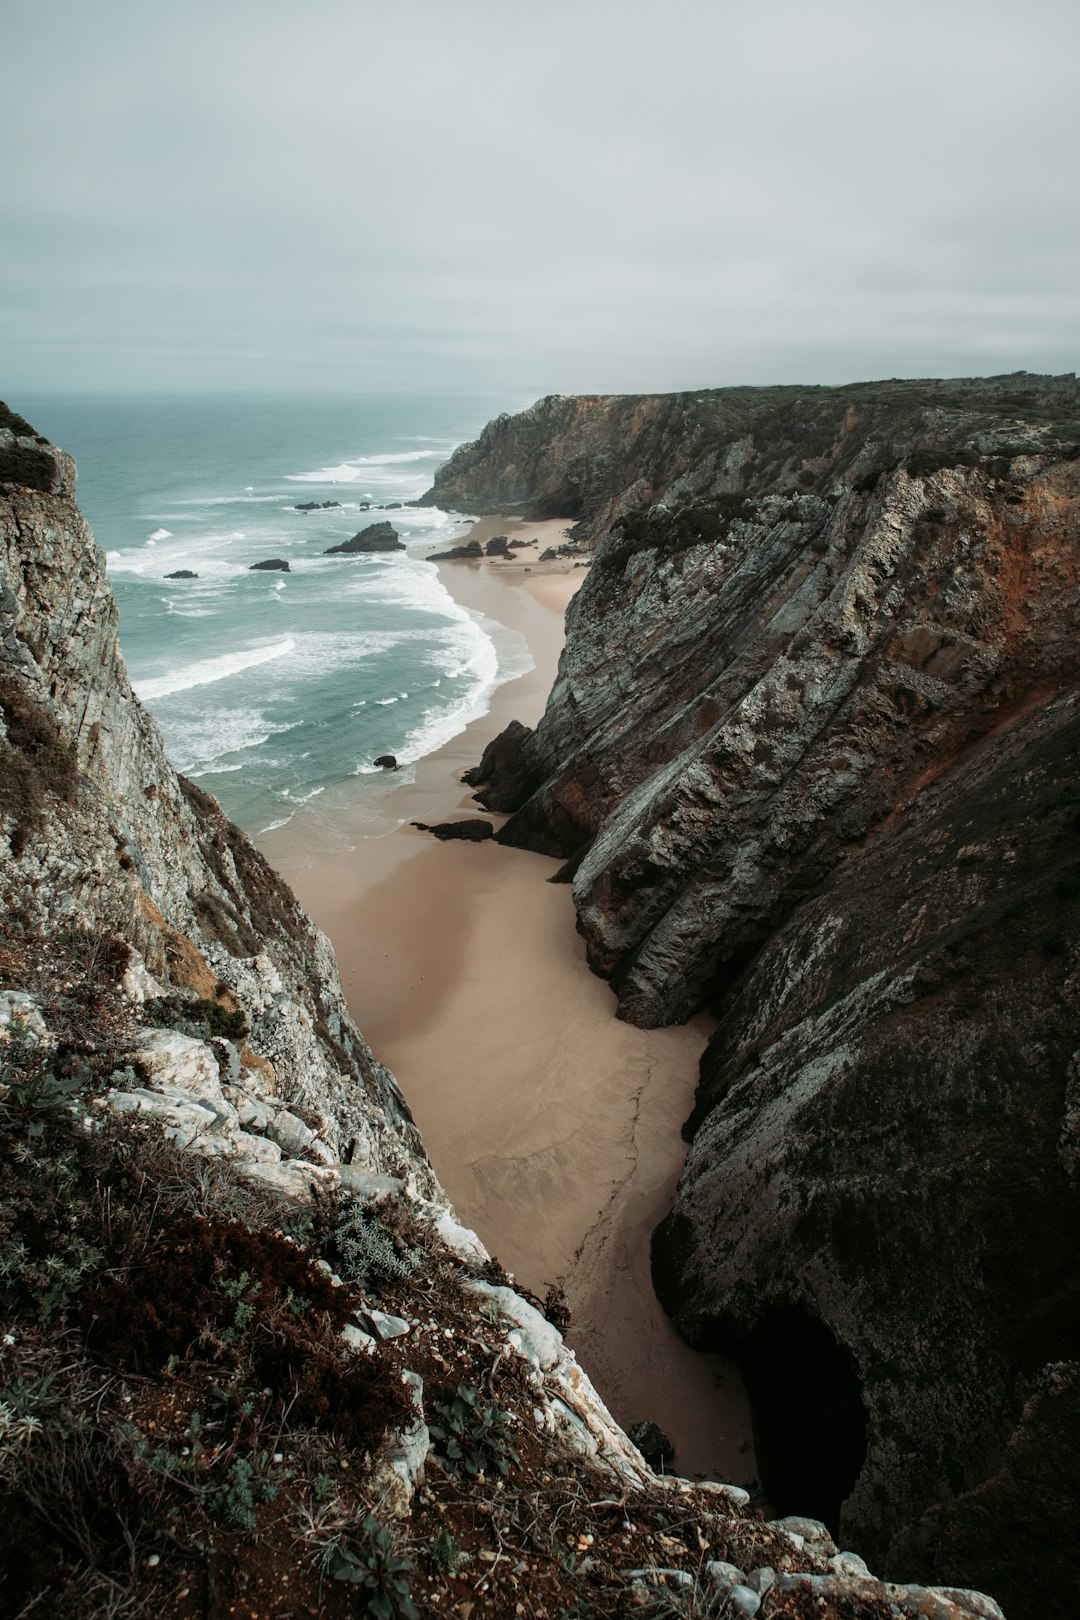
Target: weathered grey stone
[(720, 1576), (385, 1325), (811, 1530), (976, 1603), (292, 1136), (533, 1336), (399, 1465), (459, 1238), (20, 1017), (743, 1600), (357, 1339), (172, 1059), (848, 1563), (365, 1185)]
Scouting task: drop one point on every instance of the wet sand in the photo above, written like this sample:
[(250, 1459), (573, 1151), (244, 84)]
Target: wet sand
[(553, 1126)]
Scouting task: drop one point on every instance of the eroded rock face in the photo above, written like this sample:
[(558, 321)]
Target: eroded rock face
[(98, 832), (811, 760), (260, 1066), (596, 458)]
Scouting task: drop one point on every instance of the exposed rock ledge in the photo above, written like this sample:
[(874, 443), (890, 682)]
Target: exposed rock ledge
[(114, 869), (811, 760)]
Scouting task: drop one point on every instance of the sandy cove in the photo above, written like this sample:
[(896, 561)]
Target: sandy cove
[(553, 1126)]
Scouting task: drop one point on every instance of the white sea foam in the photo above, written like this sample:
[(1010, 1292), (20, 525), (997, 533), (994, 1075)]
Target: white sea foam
[(272, 826), (161, 534), (367, 468), (498, 655), (205, 742), (212, 669)]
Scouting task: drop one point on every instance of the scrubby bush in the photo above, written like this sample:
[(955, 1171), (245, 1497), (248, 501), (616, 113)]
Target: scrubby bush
[(366, 1249), (36, 763), (474, 1435)]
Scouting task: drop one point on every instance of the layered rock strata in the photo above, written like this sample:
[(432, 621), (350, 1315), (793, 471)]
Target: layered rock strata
[(811, 761), (229, 1033), (132, 849)]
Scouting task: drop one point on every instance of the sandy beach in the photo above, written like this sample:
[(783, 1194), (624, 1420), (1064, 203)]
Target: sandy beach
[(553, 1126)]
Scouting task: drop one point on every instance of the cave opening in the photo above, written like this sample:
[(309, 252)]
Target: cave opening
[(808, 1416)]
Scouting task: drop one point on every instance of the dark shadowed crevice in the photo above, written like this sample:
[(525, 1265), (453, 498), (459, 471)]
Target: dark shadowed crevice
[(808, 1416)]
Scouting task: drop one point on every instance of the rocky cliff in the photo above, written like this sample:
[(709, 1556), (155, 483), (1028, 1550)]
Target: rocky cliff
[(126, 847), (811, 760), (250, 1364)]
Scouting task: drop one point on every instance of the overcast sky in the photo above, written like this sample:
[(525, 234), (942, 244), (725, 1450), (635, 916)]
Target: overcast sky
[(535, 195)]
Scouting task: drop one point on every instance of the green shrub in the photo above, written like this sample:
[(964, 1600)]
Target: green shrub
[(365, 1250), (378, 1570), (35, 762), (474, 1435), (33, 469), (15, 423), (922, 462), (201, 1018)]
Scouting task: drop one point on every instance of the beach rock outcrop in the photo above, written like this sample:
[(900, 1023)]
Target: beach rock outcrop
[(315, 506), (810, 763), (473, 831), (472, 551), (271, 565), (182, 573), (387, 761), (498, 546), (377, 537)]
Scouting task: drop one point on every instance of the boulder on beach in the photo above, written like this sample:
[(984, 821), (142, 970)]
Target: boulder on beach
[(182, 573), (271, 565), (475, 830), (387, 761), (467, 553), (499, 546), (376, 537), (521, 545)]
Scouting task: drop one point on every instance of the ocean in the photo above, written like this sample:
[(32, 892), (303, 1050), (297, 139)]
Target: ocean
[(271, 688)]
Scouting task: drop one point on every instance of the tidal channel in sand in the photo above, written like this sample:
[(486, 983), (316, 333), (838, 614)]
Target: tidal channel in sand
[(554, 1127)]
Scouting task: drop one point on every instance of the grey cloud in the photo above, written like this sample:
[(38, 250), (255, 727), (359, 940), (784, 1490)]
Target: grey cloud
[(614, 194)]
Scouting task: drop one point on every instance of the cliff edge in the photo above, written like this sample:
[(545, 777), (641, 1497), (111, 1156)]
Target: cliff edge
[(250, 1363), (811, 763)]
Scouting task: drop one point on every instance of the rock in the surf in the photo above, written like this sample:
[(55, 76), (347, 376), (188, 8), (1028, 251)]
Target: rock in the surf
[(376, 537), (271, 565)]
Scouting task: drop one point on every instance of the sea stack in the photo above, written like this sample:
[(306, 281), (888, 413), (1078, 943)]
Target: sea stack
[(375, 538)]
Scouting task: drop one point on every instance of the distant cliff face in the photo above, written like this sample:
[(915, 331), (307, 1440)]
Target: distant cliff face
[(597, 458), (103, 835), (812, 760)]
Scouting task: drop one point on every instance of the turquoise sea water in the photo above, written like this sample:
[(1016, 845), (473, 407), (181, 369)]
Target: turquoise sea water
[(272, 687)]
